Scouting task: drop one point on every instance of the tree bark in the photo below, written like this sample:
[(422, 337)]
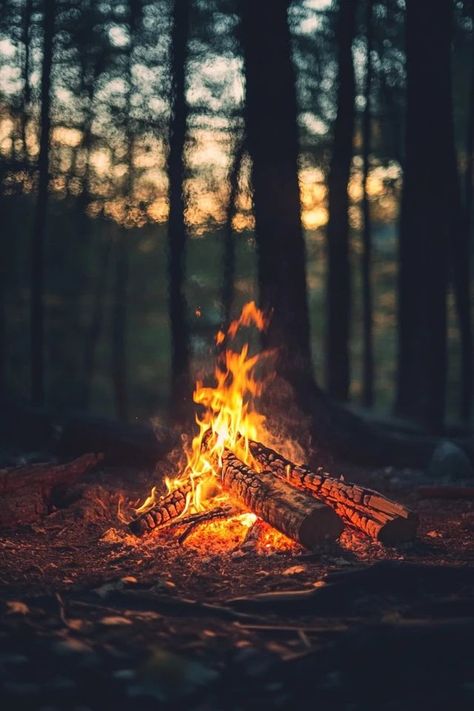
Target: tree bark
[(339, 271), (272, 140), (291, 512), (425, 216), (177, 232), (365, 509), (39, 227), (366, 260)]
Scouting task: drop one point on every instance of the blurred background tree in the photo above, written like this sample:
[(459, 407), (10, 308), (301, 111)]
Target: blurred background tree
[(150, 157)]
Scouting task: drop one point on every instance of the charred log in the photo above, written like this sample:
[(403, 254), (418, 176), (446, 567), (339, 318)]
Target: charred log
[(291, 512), (385, 520), (27, 491), (168, 508)]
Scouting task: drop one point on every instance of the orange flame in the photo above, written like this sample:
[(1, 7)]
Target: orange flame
[(229, 414)]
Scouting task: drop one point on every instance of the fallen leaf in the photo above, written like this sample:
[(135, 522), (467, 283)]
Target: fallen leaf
[(16, 607)]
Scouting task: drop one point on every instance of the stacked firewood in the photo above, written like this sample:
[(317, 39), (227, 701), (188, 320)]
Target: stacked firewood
[(309, 506)]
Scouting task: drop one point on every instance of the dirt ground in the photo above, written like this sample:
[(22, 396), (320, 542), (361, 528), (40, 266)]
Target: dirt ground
[(93, 618)]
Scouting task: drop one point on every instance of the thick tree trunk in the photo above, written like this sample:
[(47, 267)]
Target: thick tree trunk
[(339, 271), (228, 281), (291, 512), (425, 215), (39, 227), (177, 232), (366, 260), (272, 140)]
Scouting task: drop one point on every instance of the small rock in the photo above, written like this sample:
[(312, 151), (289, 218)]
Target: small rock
[(450, 462)]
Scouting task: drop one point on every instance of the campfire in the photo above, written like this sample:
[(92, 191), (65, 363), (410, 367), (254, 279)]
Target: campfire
[(239, 475)]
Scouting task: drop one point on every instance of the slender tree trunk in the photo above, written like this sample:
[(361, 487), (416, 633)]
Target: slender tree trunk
[(119, 366), (39, 228), (25, 95), (177, 233), (94, 329), (425, 215), (366, 261), (339, 271), (3, 283), (119, 325), (228, 282), (272, 140)]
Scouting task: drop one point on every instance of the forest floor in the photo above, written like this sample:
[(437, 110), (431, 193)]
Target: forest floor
[(93, 618)]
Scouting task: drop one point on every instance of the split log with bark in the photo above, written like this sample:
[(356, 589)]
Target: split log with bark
[(169, 507), (292, 512), (387, 521), (28, 491)]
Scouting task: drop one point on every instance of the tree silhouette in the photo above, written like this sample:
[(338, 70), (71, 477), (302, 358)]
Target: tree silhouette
[(270, 119), (339, 272), (426, 215), (39, 230)]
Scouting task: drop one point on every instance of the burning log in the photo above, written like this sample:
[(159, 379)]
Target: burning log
[(365, 509), (292, 512), (168, 508)]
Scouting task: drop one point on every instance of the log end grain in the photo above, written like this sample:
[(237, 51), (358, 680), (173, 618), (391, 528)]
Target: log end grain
[(401, 529)]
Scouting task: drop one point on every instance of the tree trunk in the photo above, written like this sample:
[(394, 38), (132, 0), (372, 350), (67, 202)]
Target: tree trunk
[(339, 271), (39, 227), (94, 329), (119, 325), (25, 95), (272, 139), (228, 282), (464, 305), (366, 261), (122, 263), (177, 232), (425, 216)]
